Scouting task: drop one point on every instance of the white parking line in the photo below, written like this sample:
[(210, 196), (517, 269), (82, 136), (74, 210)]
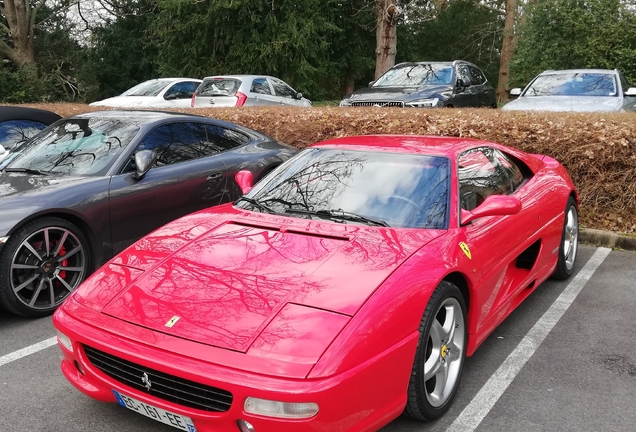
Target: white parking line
[(32, 349), (482, 403)]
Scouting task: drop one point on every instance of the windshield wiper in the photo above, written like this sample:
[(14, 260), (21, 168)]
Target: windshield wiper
[(27, 170), (336, 215), (256, 203)]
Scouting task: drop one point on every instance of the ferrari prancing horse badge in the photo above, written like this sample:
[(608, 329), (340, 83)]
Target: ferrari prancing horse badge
[(464, 247)]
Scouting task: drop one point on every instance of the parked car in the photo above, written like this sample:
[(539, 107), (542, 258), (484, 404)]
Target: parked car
[(580, 90), (246, 90), (345, 288), (92, 184), (427, 85), (18, 124), (156, 93)]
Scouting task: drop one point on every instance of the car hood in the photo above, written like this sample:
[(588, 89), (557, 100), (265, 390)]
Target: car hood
[(128, 101), (397, 93), (227, 276), (565, 103), (24, 194)]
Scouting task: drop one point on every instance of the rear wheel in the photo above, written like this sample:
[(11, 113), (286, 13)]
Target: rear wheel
[(569, 242), (41, 264), (440, 354)]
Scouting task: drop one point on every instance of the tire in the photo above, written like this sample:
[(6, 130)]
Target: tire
[(569, 242), (428, 399), (36, 279)]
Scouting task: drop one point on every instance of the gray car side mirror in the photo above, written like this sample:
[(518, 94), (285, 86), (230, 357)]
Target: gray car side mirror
[(631, 91), (299, 95), (144, 159)]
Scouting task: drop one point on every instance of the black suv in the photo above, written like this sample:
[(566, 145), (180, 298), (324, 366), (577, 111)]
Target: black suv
[(427, 85)]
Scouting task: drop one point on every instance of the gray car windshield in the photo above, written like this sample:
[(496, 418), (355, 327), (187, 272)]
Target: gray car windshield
[(75, 147), (573, 84), (373, 188), (412, 75), (148, 88)]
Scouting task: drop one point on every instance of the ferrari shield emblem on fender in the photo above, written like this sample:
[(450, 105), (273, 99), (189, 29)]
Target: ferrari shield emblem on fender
[(172, 321), (464, 247)]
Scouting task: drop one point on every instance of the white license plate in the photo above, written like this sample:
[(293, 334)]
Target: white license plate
[(167, 417)]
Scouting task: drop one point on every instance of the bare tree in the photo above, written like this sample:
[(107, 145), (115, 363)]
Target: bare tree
[(20, 23), (385, 36)]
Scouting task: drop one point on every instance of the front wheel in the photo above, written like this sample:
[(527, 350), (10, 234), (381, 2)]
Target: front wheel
[(569, 242), (41, 264), (440, 354)]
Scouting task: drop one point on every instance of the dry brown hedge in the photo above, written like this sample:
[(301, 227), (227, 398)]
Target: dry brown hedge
[(599, 150)]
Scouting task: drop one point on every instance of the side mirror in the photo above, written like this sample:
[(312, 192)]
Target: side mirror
[(515, 92), (244, 179), (371, 83), (2, 150), (299, 95), (631, 91), (494, 205), (171, 96), (144, 159)]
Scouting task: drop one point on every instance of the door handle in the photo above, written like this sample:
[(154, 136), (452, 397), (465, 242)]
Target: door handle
[(213, 177)]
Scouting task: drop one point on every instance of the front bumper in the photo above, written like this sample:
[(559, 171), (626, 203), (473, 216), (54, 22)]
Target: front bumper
[(364, 398)]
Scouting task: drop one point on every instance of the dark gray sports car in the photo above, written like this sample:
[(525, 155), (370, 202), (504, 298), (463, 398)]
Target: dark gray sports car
[(90, 185)]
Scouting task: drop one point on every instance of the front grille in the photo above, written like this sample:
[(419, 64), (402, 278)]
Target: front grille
[(163, 386), (398, 104)]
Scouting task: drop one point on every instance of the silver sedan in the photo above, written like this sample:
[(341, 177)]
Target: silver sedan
[(579, 90)]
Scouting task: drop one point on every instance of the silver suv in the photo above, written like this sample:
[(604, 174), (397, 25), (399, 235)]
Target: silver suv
[(246, 90)]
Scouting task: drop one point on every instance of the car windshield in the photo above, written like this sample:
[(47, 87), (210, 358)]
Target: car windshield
[(410, 75), (148, 88), (218, 87), (399, 190), (80, 146), (573, 84)]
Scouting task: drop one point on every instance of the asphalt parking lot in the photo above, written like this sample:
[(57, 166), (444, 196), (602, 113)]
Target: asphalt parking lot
[(564, 360)]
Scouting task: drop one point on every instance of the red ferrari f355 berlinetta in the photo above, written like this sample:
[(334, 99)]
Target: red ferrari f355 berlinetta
[(344, 289)]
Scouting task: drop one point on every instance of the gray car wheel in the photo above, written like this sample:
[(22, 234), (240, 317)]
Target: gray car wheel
[(42, 263), (569, 242), (440, 354)]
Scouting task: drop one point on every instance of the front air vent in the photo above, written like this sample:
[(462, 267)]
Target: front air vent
[(162, 385)]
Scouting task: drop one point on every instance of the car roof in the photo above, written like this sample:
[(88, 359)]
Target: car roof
[(239, 76), (414, 144), (173, 79), (445, 63), (605, 71), (139, 115), (23, 113)]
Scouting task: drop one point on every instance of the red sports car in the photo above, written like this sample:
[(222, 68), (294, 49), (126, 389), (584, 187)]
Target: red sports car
[(343, 290)]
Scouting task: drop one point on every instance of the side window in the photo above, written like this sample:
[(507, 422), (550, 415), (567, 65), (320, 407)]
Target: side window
[(225, 139), (13, 132), (514, 171), (178, 142), (261, 86), (476, 76), (481, 175), (463, 73), (282, 89), (181, 90)]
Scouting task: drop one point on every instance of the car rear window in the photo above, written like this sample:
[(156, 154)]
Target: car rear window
[(218, 87)]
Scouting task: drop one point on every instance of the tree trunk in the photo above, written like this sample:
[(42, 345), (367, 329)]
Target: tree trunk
[(20, 16), (385, 36), (507, 50)]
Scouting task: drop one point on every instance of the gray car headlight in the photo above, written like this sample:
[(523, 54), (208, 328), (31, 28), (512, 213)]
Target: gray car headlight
[(423, 103), (345, 102)]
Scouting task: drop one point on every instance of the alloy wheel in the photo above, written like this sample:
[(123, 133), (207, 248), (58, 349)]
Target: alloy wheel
[(46, 267)]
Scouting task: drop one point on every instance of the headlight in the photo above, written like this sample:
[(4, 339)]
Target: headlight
[(423, 103), (65, 341), (345, 102), (294, 410)]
